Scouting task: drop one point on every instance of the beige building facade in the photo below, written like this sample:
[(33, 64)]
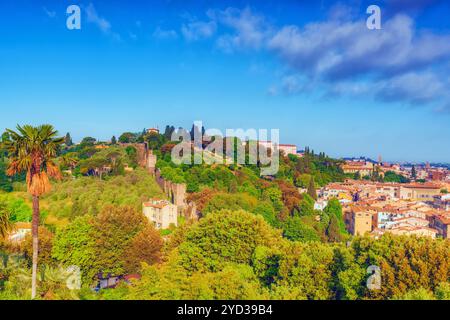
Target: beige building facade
[(421, 192), (360, 221), (161, 213)]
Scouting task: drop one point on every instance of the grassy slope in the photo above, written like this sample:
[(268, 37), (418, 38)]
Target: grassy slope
[(88, 195)]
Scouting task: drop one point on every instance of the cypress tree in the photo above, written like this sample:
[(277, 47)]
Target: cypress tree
[(333, 232), (413, 172), (312, 188), (68, 140)]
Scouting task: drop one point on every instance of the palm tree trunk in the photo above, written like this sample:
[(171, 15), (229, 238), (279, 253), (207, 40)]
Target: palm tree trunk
[(34, 233)]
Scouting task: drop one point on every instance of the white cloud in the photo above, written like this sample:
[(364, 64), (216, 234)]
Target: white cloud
[(272, 90), (165, 34), (103, 24), (337, 50), (340, 55), (249, 30), (198, 30), (50, 14), (415, 88)]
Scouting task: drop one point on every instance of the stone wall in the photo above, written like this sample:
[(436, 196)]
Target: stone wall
[(177, 194), (175, 191), (142, 152), (151, 162)]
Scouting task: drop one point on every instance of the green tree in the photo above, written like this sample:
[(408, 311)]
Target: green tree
[(127, 137), (406, 263), (275, 196), (306, 206), (334, 208), (33, 150), (442, 291), (154, 140), (68, 160), (413, 173), (296, 230), (304, 272), (391, 176), (231, 201), (45, 246), (168, 132), (68, 140), (265, 262), (312, 188), (350, 275), (75, 245), (233, 282), (333, 231), (267, 211), (5, 223), (88, 142), (417, 294), (112, 242), (144, 248), (113, 230), (225, 236), (18, 209), (113, 140)]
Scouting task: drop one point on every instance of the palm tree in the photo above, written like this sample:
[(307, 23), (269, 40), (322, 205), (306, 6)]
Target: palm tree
[(68, 160), (32, 150), (5, 223)]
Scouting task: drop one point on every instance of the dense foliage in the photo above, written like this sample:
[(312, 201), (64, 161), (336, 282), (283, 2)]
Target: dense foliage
[(256, 262), (87, 195), (257, 238)]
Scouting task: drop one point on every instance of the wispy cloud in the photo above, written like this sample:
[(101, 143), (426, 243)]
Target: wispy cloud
[(103, 24), (337, 50), (198, 30), (248, 30), (133, 36), (50, 14), (164, 34), (341, 56), (399, 62), (408, 5)]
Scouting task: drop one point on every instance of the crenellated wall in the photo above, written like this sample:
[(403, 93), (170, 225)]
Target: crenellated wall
[(176, 192), (178, 196)]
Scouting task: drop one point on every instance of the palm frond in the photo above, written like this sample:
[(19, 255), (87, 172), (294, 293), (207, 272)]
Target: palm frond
[(32, 150)]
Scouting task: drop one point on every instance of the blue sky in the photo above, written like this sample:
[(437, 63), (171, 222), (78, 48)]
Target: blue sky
[(310, 68)]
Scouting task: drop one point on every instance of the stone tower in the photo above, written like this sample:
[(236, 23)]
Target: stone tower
[(151, 162)]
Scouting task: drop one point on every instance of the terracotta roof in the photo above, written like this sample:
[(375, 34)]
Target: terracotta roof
[(287, 145), (421, 186), (132, 277), (154, 203), (279, 144)]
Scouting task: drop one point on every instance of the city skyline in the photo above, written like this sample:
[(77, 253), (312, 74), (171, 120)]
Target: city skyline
[(235, 65)]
